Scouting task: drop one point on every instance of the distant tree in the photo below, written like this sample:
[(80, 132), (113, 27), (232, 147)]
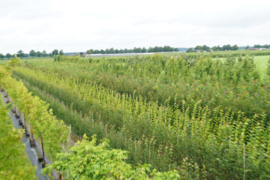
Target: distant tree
[(143, 50), (96, 51), (234, 47), (198, 48), (39, 54), (44, 53), (32, 53), (176, 49), (167, 49), (25, 55), (8, 55), (2, 56), (125, 50), (214, 48), (121, 51), (20, 54), (190, 50), (257, 46), (55, 52), (107, 51), (90, 51), (61, 52), (102, 51), (137, 50), (116, 51), (247, 47), (150, 49), (50, 55), (112, 51)]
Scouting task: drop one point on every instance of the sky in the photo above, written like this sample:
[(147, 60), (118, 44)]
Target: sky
[(76, 26)]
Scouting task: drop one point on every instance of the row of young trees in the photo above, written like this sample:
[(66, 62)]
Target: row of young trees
[(32, 53), (134, 50), (214, 48)]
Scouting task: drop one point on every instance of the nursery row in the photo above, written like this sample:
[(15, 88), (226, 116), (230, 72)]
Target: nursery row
[(235, 84), (223, 141), (54, 134), (14, 162)]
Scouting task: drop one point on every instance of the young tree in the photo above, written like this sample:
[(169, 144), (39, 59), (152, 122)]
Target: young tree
[(8, 55), (2, 56), (32, 53)]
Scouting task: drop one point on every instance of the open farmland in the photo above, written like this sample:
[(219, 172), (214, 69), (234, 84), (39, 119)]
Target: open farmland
[(207, 116)]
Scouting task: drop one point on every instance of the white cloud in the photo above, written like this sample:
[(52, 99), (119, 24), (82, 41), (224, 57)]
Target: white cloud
[(82, 24)]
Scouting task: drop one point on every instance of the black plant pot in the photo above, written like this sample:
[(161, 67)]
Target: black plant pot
[(32, 143), (40, 159)]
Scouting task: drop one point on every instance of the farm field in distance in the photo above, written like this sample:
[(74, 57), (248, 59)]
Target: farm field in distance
[(207, 118)]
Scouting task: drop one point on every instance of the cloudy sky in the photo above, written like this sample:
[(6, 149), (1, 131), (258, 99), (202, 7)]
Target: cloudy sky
[(84, 24)]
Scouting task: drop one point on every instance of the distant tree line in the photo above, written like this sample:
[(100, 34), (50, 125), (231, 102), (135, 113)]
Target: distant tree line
[(32, 54), (162, 49), (261, 46), (116, 51), (214, 48), (134, 50)]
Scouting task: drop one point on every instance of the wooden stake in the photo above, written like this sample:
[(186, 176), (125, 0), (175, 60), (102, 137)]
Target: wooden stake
[(43, 153)]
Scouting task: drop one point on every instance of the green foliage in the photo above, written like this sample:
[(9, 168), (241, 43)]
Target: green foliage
[(164, 109), (13, 63), (268, 68), (55, 133), (87, 160), (14, 162), (62, 58)]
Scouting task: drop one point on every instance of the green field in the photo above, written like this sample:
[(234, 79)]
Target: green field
[(167, 112)]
